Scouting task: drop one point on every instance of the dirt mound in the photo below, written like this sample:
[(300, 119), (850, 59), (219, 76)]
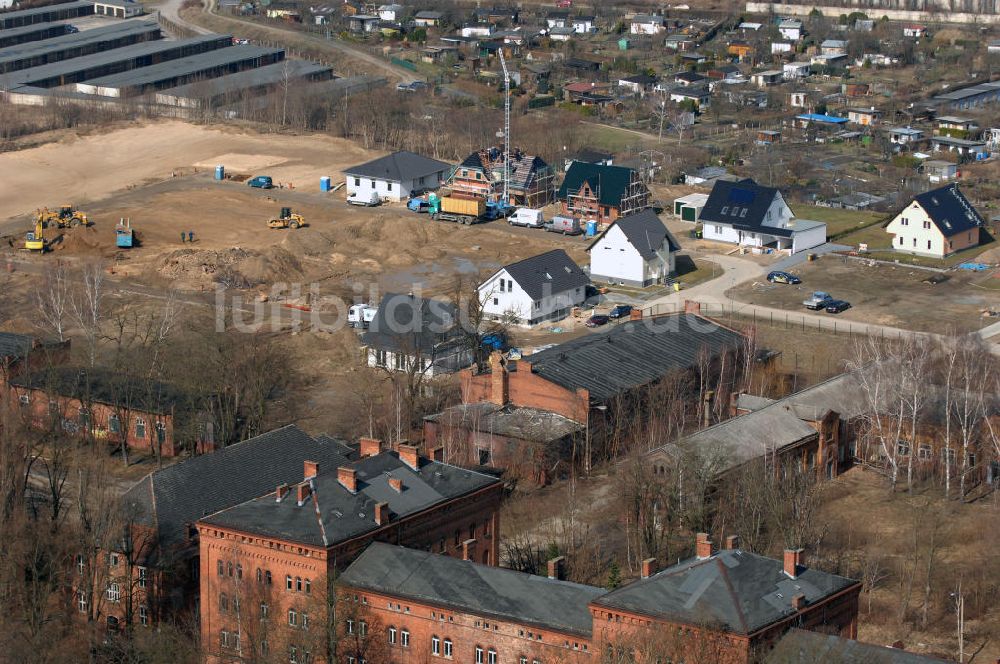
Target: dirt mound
[(276, 264), (234, 268), (81, 241), (308, 241)]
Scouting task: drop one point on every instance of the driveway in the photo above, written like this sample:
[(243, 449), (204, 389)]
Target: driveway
[(791, 261)]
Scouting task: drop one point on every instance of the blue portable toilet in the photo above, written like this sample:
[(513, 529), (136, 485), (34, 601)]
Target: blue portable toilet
[(220, 172), (324, 183), (592, 228)]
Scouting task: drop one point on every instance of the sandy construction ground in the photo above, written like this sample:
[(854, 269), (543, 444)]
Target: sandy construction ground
[(161, 177), (83, 169)]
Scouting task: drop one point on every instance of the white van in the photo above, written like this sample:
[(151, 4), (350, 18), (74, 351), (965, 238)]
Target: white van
[(527, 217)]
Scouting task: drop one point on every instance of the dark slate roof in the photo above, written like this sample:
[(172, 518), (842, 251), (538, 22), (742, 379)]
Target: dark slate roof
[(547, 274), (742, 204), (473, 161), (689, 76), (949, 209), (632, 354), (174, 498), (411, 323), (98, 385), (641, 79), (734, 590), (15, 346), (399, 166), (482, 590), (644, 231), (531, 424), (610, 182), (800, 646), (334, 514)]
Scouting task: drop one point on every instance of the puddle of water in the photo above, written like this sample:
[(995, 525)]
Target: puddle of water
[(431, 275)]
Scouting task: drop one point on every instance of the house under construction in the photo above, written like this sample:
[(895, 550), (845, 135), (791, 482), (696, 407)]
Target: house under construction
[(481, 174), (604, 193)]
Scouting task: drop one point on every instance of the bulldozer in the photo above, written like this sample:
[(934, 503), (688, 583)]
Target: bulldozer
[(35, 240), (64, 217), (288, 219)]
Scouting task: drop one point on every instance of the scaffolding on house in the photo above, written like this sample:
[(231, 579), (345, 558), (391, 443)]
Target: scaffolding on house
[(585, 200), (531, 180)]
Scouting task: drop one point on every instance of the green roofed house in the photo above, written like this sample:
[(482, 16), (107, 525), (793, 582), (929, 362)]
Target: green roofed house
[(604, 193)]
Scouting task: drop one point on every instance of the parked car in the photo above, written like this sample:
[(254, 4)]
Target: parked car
[(836, 306), (779, 277), (597, 321), (818, 300), (621, 311), (261, 182)]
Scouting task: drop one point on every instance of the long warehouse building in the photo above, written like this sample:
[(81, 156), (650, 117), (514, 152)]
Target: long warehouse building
[(113, 62), (181, 71), (46, 14), (76, 45), (226, 89), (32, 33)]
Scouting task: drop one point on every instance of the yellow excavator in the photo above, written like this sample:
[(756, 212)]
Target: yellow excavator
[(35, 240), (64, 217), (288, 219)]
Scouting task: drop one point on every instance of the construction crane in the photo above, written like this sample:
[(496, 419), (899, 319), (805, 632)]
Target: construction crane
[(506, 128)]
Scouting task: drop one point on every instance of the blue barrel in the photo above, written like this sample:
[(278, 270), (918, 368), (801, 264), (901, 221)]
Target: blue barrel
[(592, 228), (220, 172), (325, 184)]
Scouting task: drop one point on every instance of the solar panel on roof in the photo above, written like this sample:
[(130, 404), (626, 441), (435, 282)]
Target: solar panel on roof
[(744, 196)]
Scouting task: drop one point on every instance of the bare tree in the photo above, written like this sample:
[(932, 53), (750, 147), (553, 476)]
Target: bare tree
[(53, 298)]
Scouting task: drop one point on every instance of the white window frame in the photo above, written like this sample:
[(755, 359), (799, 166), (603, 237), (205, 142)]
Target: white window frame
[(143, 615), (435, 646), (404, 638), (392, 636), (113, 592), (447, 648)]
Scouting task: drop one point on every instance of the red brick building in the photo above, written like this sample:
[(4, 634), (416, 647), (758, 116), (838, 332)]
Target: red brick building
[(523, 416), (268, 565), (726, 606), (604, 193), (160, 512), (21, 353), (98, 404)]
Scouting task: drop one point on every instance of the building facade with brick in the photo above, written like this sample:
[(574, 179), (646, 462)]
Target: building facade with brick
[(280, 554), (96, 404), (602, 193), (724, 606), (523, 416), (154, 575)]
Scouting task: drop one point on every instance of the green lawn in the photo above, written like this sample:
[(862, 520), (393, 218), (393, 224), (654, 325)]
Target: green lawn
[(837, 220), (609, 138)]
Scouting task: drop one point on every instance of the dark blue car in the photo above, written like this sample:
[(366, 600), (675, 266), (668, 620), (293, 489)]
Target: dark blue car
[(621, 311), (836, 306), (779, 277)]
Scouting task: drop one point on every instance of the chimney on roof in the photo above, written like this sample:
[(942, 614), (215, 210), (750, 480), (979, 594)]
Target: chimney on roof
[(798, 601), (396, 484), (370, 447), (635, 314), (707, 408), (732, 542), (557, 568), (280, 492), (499, 387), (302, 491), (348, 478), (408, 455), (692, 307), (793, 560), (309, 469), (648, 567), (381, 513), (469, 550), (702, 546)]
